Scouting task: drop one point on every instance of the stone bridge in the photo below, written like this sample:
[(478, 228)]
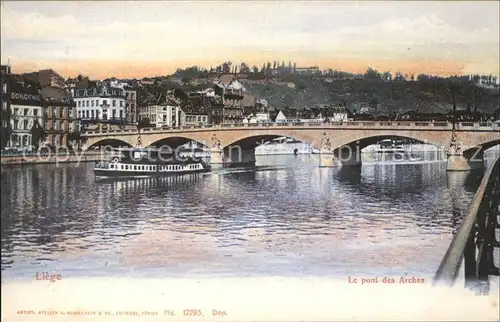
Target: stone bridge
[(330, 138)]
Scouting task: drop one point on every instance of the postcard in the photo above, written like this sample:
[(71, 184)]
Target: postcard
[(250, 161)]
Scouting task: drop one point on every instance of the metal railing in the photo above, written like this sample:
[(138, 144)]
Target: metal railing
[(475, 240)]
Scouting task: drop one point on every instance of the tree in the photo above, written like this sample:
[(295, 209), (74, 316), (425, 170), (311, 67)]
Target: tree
[(226, 67), (374, 103), (76, 137), (372, 73), (399, 77), (244, 68), (143, 123), (255, 69), (387, 76)]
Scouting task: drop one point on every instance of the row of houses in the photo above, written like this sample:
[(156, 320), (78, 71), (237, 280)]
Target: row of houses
[(60, 107), (35, 101)]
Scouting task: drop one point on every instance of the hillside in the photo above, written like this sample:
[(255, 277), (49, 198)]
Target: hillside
[(375, 96)]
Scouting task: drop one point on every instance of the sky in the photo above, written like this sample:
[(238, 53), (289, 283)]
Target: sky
[(129, 39)]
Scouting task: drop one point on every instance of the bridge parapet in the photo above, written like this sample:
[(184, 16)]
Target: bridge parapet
[(403, 125)]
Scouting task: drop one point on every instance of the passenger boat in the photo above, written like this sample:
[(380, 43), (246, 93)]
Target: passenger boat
[(393, 146), (143, 162)]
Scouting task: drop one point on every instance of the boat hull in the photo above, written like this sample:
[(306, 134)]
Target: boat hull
[(109, 173)]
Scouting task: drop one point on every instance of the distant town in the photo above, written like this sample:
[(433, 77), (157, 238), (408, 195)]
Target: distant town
[(44, 108)]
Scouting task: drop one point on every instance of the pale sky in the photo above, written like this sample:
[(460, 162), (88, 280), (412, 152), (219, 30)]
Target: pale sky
[(137, 39)]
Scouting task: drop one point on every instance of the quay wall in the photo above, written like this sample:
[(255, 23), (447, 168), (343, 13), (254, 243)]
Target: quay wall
[(19, 160)]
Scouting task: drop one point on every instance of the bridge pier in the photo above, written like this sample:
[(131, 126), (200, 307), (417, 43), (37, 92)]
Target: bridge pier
[(327, 159), (231, 157), (348, 156)]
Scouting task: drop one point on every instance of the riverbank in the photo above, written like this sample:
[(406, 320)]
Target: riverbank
[(19, 160)]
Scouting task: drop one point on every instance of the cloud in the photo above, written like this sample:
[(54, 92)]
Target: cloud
[(174, 31)]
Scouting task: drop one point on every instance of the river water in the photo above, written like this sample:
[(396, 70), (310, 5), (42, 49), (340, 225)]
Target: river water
[(287, 217)]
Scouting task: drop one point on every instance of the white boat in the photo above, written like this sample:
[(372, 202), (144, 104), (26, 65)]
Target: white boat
[(284, 145), (392, 146), (144, 162)]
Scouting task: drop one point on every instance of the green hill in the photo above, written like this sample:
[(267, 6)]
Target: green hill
[(377, 96)]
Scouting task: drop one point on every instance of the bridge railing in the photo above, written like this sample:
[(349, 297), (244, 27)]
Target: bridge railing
[(335, 124), (475, 240)]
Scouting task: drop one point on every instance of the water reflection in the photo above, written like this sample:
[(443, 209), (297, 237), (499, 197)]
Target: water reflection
[(289, 220)]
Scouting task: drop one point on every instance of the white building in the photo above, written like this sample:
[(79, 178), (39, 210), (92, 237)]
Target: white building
[(280, 118), (26, 111), (195, 119), (259, 117), (163, 115), (339, 114), (103, 102)]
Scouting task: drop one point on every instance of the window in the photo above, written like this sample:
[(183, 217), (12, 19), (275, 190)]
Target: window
[(79, 104), (114, 103), (35, 112), (111, 165), (126, 167), (87, 113), (113, 113), (135, 167), (25, 124), (121, 103), (87, 103), (61, 112), (121, 114), (104, 102), (79, 114)]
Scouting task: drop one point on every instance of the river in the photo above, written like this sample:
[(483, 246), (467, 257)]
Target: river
[(287, 217)]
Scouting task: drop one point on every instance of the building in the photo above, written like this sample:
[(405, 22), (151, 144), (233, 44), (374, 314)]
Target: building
[(230, 108), (46, 77), (131, 110), (259, 117), (163, 115), (193, 119), (100, 101), (26, 113), (59, 115), (339, 114), (280, 118), (307, 70), (6, 129)]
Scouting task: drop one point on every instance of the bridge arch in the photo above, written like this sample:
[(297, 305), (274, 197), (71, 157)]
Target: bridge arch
[(174, 142), (108, 142), (482, 147)]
